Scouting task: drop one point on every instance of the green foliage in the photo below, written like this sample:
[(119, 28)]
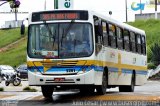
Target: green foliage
[(33, 90), (151, 28), (155, 54), (29, 89), (151, 66), (26, 88), (149, 54), (1, 89)]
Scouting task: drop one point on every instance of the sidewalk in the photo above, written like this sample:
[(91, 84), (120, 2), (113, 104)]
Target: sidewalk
[(19, 88)]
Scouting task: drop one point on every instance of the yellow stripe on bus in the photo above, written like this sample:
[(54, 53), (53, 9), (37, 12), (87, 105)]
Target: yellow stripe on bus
[(87, 62)]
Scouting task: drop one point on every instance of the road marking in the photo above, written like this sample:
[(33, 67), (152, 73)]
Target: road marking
[(5, 96), (36, 98), (120, 97)]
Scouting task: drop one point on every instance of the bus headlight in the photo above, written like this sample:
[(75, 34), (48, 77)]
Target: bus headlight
[(35, 71), (86, 69)]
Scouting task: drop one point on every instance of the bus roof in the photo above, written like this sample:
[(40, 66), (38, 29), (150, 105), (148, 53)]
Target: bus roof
[(106, 18), (117, 23)]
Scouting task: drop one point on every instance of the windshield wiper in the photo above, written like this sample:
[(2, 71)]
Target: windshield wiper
[(69, 27), (64, 34), (62, 38), (50, 32)]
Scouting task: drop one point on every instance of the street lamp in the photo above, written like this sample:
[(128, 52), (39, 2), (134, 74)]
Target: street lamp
[(110, 13), (3, 3), (14, 4)]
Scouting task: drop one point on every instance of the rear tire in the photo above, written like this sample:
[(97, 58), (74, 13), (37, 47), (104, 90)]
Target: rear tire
[(129, 88), (47, 91), (101, 89)]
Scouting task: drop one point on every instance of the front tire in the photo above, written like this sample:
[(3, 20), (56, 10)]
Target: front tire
[(17, 81), (7, 83), (129, 88), (101, 89), (47, 91), (87, 90)]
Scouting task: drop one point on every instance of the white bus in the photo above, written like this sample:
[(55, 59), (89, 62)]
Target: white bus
[(81, 49)]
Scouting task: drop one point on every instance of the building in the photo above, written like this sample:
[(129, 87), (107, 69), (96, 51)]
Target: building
[(13, 24)]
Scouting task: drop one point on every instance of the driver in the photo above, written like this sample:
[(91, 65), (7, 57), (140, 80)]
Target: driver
[(69, 42)]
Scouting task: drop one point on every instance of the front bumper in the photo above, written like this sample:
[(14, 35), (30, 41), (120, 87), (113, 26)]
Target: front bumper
[(37, 79)]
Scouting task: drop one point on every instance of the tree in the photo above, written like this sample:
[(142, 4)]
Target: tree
[(155, 54)]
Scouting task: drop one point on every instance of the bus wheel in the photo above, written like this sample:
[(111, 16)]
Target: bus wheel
[(47, 91), (129, 88), (87, 90), (101, 89)]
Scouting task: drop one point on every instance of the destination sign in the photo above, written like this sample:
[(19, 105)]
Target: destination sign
[(59, 15)]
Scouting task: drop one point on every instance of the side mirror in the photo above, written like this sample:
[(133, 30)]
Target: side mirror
[(22, 29)]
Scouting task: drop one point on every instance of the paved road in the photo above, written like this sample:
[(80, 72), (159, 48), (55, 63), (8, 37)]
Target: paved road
[(19, 88), (146, 95)]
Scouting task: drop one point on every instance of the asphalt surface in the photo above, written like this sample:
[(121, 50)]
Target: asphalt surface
[(146, 95)]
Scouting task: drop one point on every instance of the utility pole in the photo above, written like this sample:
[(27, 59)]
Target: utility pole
[(155, 9), (140, 9), (45, 5), (126, 11), (15, 14), (55, 4)]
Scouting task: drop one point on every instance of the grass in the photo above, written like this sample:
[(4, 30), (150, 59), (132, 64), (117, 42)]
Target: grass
[(29, 89), (152, 29), (9, 36), (15, 55)]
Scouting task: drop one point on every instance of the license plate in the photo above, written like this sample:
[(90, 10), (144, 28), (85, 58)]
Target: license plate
[(59, 79)]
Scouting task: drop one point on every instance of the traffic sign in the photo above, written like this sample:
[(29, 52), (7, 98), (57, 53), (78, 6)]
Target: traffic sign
[(63, 4)]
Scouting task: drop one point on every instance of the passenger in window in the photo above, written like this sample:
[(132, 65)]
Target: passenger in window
[(82, 43), (83, 47)]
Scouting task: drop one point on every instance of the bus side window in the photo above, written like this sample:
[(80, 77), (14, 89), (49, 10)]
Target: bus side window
[(119, 38), (112, 35), (126, 40), (133, 41), (98, 32), (143, 45), (138, 41), (105, 33)]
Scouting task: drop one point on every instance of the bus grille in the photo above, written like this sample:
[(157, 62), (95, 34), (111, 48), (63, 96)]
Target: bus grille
[(63, 63)]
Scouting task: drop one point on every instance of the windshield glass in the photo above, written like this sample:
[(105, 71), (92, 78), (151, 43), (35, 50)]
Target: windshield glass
[(6, 68), (60, 40)]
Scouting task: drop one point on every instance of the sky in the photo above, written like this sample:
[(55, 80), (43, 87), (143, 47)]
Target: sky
[(102, 6)]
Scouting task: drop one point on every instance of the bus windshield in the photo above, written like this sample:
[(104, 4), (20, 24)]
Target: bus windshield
[(60, 40)]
